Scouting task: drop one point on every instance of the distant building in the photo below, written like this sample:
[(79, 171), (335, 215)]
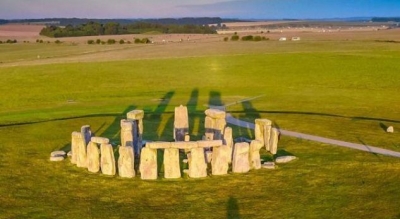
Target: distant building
[(282, 39), (295, 38)]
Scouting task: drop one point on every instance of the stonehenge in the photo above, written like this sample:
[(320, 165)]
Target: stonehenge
[(214, 154)]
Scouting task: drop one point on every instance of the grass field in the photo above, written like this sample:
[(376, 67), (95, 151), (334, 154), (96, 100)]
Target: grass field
[(331, 87)]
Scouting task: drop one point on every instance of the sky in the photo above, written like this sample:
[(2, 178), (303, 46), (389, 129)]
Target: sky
[(241, 9)]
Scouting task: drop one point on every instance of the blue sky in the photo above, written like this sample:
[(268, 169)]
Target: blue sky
[(245, 9)]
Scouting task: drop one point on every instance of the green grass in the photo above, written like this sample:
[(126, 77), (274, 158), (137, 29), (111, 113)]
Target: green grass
[(348, 92)]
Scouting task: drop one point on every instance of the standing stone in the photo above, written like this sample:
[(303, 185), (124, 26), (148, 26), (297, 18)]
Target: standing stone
[(209, 128), (262, 132), (87, 133), (107, 159), (171, 163), (81, 158), (76, 140), (228, 141), (197, 163), (220, 160), (181, 123), (126, 162), (126, 133), (148, 164), (93, 156), (274, 140), (219, 128), (136, 116), (254, 152), (240, 162)]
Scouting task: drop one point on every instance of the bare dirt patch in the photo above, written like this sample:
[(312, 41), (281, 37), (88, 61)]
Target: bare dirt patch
[(20, 31)]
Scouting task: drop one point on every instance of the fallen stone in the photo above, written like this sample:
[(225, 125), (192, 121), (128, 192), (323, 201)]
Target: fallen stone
[(268, 165), (57, 158), (285, 159), (390, 129), (58, 154), (185, 160), (100, 140)]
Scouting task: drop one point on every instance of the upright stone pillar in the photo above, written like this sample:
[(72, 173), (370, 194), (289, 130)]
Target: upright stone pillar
[(181, 123), (81, 158), (126, 162), (262, 132), (197, 163), (93, 156), (148, 164), (172, 168), (274, 140), (137, 117), (240, 162), (255, 160), (76, 140), (215, 123), (107, 159), (87, 133), (127, 138), (228, 141), (220, 160)]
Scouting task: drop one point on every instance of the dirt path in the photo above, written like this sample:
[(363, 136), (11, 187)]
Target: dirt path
[(361, 147)]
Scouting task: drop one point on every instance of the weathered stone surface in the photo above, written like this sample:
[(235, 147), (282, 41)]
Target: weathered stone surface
[(262, 132), (107, 159), (219, 128), (254, 152), (211, 143), (127, 137), (100, 140), (273, 143), (69, 154), (390, 129), (57, 158), (285, 159), (58, 154), (135, 115), (228, 141), (158, 145), (126, 162), (197, 163), (81, 157), (220, 160), (268, 165), (93, 156), (181, 123), (209, 124), (87, 133), (208, 156), (215, 113), (187, 145), (171, 163), (76, 139), (240, 162), (148, 164)]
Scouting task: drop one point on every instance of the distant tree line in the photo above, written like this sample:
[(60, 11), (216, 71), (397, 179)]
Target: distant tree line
[(112, 28), (385, 19), (179, 21)]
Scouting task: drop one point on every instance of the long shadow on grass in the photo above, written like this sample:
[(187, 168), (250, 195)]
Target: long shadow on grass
[(195, 118), (232, 209), (159, 114), (320, 114)]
